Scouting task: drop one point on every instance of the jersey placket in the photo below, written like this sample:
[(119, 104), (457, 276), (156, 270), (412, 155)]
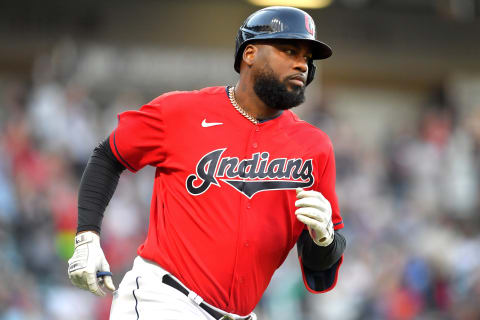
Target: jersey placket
[(253, 148), (244, 245)]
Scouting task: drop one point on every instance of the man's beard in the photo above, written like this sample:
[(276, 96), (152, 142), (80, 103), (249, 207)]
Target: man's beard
[(275, 93)]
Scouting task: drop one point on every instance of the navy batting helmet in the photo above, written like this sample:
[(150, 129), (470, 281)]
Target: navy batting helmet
[(284, 23)]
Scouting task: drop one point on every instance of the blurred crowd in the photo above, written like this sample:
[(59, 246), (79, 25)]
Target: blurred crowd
[(410, 207)]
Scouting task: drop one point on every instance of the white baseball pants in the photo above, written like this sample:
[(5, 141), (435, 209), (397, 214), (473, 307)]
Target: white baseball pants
[(142, 295)]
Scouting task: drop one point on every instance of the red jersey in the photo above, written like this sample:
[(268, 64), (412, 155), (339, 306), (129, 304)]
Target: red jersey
[(222, 216)]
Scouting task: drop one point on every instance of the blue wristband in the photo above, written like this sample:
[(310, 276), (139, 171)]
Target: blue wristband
[(103, 273)]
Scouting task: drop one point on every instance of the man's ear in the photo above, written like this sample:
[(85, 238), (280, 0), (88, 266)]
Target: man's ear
[(249, 54)]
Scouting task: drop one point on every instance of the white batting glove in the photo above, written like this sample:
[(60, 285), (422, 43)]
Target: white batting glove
[(87, 260), (315, 211)]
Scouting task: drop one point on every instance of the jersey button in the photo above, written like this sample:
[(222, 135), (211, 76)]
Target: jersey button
[(246, 244), (257, 128), (255, 145), (249, 205)]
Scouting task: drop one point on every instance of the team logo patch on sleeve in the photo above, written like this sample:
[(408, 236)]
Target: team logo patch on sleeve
[(249, 176)]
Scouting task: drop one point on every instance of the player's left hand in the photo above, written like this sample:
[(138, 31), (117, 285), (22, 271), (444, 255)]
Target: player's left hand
[(315, 211)]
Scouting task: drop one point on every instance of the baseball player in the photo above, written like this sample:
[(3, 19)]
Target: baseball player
[(239, 181)]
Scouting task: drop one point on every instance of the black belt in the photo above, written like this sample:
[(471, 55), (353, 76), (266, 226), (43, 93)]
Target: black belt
[(168, 280)]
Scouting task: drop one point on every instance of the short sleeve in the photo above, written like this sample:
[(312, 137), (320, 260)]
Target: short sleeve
[(139, 137), (320, 281)]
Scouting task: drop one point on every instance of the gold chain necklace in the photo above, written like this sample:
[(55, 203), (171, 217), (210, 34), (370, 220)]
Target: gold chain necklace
[(231, 96)]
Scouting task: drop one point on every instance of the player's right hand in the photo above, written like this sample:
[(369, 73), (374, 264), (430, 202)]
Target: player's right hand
[(87, 260)]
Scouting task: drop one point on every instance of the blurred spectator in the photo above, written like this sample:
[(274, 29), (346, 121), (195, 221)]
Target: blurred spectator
[(410, 207)]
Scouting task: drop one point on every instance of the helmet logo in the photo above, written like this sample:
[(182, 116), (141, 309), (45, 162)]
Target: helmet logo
[(309, 25)]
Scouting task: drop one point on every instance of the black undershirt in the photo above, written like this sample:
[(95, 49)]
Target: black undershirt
[(317, 258), (100, 180), (97, 186)]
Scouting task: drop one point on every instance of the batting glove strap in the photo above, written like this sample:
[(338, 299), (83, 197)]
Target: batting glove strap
[(86, 237)]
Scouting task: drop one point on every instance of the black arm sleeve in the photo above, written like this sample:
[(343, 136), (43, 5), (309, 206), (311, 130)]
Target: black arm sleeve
[(317, 258), (98, 183)]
